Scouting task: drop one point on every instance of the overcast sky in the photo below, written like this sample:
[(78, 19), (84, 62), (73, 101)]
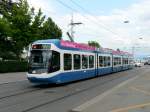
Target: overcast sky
[(103, 21)]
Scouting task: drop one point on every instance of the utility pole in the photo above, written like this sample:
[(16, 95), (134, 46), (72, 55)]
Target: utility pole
[(133, 48), (72, 27), (72, 24)]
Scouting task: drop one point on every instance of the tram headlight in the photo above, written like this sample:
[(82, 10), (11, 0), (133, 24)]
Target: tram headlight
[(33, 71)]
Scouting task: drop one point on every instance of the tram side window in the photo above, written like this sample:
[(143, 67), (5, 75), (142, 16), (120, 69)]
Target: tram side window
[(67, 62), (123, 61), (91, 61), (84, 61), (114, 61), (105, 61), (108, 61), (119, 59), (77, 62), (54, 65), (100, 61), (127, 61)]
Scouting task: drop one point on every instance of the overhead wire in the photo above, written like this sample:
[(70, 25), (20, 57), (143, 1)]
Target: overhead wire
[(67, 6), (96, 22)]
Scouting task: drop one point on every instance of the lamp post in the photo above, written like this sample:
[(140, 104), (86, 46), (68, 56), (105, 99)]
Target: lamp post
[(134, 47)]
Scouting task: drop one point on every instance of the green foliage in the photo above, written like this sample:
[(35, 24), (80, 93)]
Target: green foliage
[(5, 7), (13, 66), (37, 25), (20, 18), (94, 44), (5, 42), (47, 29), (20, 22)]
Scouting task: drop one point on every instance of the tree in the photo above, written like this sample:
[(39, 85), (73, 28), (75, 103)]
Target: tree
[(26, 26), (51, 30), (20, 19), (94, 44), (5, 7), (5, 41), (37, 25), (118, 49)]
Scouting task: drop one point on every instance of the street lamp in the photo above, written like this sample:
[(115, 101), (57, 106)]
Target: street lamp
[(126, 21), (133, 48)]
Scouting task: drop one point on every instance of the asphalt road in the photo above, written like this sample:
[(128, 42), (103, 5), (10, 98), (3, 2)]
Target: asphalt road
[(23, 96)]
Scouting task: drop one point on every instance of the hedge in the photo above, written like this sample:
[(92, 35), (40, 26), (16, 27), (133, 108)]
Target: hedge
[(13, 66)]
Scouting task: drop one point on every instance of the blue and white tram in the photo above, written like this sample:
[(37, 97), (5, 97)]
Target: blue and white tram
[(58, 61)]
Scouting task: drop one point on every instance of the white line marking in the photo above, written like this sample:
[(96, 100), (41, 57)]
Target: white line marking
[(101, 96)]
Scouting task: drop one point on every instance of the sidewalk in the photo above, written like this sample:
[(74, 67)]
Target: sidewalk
[(12, 77), (132, 95)]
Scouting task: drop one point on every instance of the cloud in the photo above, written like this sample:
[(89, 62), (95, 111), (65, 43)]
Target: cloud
[(109, 30), (46, 6)]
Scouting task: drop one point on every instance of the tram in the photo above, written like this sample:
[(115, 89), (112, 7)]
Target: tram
[(58, 61)]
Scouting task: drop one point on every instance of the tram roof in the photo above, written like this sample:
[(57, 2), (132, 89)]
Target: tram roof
[(67, 45)]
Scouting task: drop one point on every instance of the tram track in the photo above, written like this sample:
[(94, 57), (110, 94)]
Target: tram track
[(73, 93), (28, 90), (23, 92), (69, 90), (38, 89), (20, 93)]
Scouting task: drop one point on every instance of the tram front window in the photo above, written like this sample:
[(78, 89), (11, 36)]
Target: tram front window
[(42, 61)]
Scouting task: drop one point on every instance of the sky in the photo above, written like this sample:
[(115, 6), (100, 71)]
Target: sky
[(103, 21)]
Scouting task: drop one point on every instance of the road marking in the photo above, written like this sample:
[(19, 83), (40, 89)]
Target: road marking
[(1, 83), (140, 90), (131, 107), (101, 96)]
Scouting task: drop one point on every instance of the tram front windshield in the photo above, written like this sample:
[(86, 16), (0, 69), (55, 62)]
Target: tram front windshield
[(43, 61)]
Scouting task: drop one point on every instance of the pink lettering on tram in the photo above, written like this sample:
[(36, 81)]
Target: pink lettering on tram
[(76, 45)]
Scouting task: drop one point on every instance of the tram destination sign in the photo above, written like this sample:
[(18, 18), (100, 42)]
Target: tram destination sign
[(41, 46)]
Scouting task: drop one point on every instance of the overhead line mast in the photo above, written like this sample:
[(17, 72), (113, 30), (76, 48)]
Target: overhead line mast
[(96, 21), (72, 24)]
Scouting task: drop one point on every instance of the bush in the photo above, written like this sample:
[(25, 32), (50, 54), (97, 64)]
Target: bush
[(13, 66)]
